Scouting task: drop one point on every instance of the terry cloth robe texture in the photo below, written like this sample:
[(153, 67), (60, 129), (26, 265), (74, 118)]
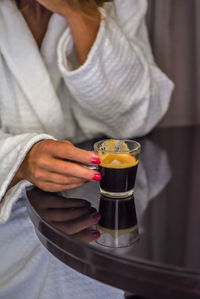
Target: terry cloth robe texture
[(119, 91)]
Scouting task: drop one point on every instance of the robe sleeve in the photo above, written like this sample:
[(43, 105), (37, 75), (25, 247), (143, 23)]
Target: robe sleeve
[(13, 152), (119, 91)]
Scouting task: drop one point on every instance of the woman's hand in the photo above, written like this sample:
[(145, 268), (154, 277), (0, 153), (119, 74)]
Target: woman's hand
[(60, 7), (52, 166), (84, 29)]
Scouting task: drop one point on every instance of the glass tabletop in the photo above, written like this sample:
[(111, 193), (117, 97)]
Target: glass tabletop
[(158, 227)]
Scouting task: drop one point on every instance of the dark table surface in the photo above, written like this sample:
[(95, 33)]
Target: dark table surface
[(164, 260)]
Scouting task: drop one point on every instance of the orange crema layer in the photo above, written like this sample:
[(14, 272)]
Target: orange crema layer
[(117, 160)]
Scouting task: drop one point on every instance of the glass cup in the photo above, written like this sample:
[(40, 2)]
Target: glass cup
[(118, 167)]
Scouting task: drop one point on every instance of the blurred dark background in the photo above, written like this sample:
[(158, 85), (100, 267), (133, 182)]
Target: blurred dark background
[(175, 39)]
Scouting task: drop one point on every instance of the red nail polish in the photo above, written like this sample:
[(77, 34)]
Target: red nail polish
[(96, 161), (96, 216), (96, 234), (86, 182), (97, 177)]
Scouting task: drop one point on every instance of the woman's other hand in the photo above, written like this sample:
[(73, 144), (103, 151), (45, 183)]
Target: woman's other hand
[(60, 7), (54, 166), (84, 29)]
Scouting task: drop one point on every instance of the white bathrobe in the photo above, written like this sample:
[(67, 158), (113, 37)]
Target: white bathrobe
[(118, 91)]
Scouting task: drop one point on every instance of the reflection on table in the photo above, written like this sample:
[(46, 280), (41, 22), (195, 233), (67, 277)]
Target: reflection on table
[(75, 217), (118, 223)]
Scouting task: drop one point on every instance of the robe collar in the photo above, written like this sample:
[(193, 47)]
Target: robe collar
[(29, 68)]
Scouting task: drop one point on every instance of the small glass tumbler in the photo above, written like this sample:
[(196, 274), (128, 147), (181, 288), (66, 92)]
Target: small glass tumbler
[(118, 167)]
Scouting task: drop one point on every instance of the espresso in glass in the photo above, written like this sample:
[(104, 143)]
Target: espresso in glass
[(119, 162)]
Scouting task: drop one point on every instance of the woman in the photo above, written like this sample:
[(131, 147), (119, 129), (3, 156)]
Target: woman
[(71, 71), (68, 71)]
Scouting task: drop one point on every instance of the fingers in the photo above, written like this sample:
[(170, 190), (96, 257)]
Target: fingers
[(51, 201), (42, 200), (56, 178), (68, 169), (47, 168), (87, 235), (46, 201), (65, 214), (52, 187), (77, 225), (66, 150)]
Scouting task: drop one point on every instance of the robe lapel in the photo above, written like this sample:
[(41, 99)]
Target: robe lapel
[(25, 62), (56, 27)]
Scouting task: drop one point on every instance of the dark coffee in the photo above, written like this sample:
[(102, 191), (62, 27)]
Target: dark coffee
[(118, 172)]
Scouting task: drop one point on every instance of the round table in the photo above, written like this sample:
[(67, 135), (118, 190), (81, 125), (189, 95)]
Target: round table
[(164, 259)]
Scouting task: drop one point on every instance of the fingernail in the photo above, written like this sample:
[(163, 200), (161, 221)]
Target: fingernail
[(96, 234), (96, 216), (97, 177), (86, 182), (96, 161)]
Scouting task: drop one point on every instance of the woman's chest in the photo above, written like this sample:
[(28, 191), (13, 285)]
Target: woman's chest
[(36, 17)]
